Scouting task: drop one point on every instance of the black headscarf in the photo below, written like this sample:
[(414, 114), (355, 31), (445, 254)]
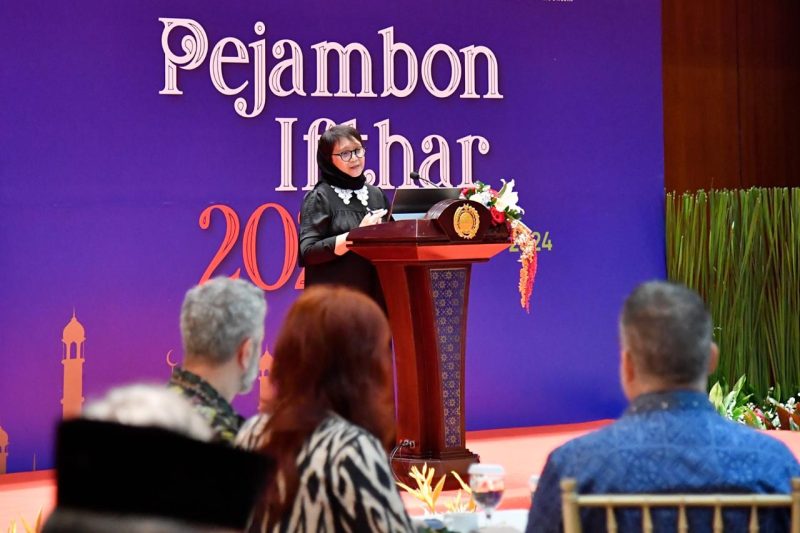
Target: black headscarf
[(327, 171)]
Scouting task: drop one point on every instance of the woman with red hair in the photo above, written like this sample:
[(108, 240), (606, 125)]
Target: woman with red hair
[(332, 419)]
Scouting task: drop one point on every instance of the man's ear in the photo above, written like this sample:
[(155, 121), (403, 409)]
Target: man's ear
[(244, 353), (627, 373), (714, 358)]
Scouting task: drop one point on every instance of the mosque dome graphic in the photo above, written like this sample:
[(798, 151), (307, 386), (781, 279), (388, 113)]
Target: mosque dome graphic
[(73, 332)]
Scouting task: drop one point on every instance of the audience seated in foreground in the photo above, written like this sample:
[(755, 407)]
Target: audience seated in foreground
[(332, 420), (139, 461), (670, 439), (222, 328)]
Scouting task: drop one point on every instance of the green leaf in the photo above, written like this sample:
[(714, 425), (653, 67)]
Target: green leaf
[(715, 397), (730, 402), (737, 388)]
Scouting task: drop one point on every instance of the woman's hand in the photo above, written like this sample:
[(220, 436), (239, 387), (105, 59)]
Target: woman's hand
[(341, 244), (373, 217)]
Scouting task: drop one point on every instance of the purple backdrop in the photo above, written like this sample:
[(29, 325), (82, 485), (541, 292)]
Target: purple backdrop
[(104, 179)]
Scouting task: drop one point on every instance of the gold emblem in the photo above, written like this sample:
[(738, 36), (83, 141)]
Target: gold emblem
[(466, 221)]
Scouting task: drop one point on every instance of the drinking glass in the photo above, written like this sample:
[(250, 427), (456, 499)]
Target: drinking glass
[(533, 482), (487, 482)]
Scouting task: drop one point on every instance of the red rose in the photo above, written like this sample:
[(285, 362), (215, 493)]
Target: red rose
[(498, 217)]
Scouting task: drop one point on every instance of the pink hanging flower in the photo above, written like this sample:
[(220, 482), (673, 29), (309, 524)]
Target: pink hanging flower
[(503, 208)]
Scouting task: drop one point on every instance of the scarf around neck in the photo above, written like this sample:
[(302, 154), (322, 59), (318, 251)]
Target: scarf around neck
[(333, 176)]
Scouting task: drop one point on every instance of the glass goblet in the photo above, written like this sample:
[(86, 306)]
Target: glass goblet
[(487, 483)]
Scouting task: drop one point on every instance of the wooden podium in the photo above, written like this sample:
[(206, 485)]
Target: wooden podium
[(424, 268)]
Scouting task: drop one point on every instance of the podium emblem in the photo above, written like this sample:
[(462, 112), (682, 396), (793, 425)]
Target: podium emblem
[(466, 221)]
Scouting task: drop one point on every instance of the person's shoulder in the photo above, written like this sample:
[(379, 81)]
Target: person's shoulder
[(744, 436), (340, 426), (591, 446), (596, 436), (320, 190), (348, 436), (378, 195), (251, 434), (354, 449), (762, 456), (319, 197), (375, 190)]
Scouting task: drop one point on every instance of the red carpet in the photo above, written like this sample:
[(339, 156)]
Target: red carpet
[(523, 451)]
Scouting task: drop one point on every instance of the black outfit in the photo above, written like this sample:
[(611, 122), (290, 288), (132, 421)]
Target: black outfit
[(324, 216), (137, 474)]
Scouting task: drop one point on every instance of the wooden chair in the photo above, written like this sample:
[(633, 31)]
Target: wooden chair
[(572, 502)]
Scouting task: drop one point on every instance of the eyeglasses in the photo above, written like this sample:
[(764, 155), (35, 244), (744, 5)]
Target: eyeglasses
[(348, 155)]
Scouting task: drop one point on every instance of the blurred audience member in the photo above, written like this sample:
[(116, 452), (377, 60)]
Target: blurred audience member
[(222, 326), (149, 405), (332, 419), (138, 463), (670, 439)]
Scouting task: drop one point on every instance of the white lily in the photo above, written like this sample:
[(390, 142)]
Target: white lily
[(508, 198), (483, 197)]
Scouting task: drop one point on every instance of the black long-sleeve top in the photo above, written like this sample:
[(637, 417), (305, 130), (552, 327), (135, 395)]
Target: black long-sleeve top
[(324, 216)]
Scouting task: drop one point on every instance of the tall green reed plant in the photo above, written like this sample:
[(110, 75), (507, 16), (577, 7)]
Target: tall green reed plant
[(741, 251)]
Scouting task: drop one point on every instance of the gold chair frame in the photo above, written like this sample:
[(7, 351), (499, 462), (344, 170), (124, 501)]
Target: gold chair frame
[(572, 502)]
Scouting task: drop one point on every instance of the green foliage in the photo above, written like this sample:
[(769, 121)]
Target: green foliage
[(734, 404), (729, 403), (741, 251), (741, 405)]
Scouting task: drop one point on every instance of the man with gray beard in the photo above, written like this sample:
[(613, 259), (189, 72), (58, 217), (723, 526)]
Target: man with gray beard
[(222, 328)]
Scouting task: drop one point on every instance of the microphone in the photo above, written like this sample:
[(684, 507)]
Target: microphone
[(416, 178)]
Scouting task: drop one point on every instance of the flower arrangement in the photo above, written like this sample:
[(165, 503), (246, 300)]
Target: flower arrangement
[(36, 528), (740, 406), (504, 208), (425, 492), (457, 505), (428, 494)]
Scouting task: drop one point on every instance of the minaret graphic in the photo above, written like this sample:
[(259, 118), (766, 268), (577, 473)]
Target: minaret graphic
[(3, 451), (265, 391), (73, 339)]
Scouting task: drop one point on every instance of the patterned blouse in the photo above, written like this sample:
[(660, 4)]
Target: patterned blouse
[(346, 483), (224, 421)]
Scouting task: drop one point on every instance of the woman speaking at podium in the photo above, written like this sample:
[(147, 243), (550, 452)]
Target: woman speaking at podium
[(341, 200)]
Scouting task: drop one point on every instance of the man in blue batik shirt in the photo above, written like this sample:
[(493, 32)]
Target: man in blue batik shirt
[(670, 439)]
